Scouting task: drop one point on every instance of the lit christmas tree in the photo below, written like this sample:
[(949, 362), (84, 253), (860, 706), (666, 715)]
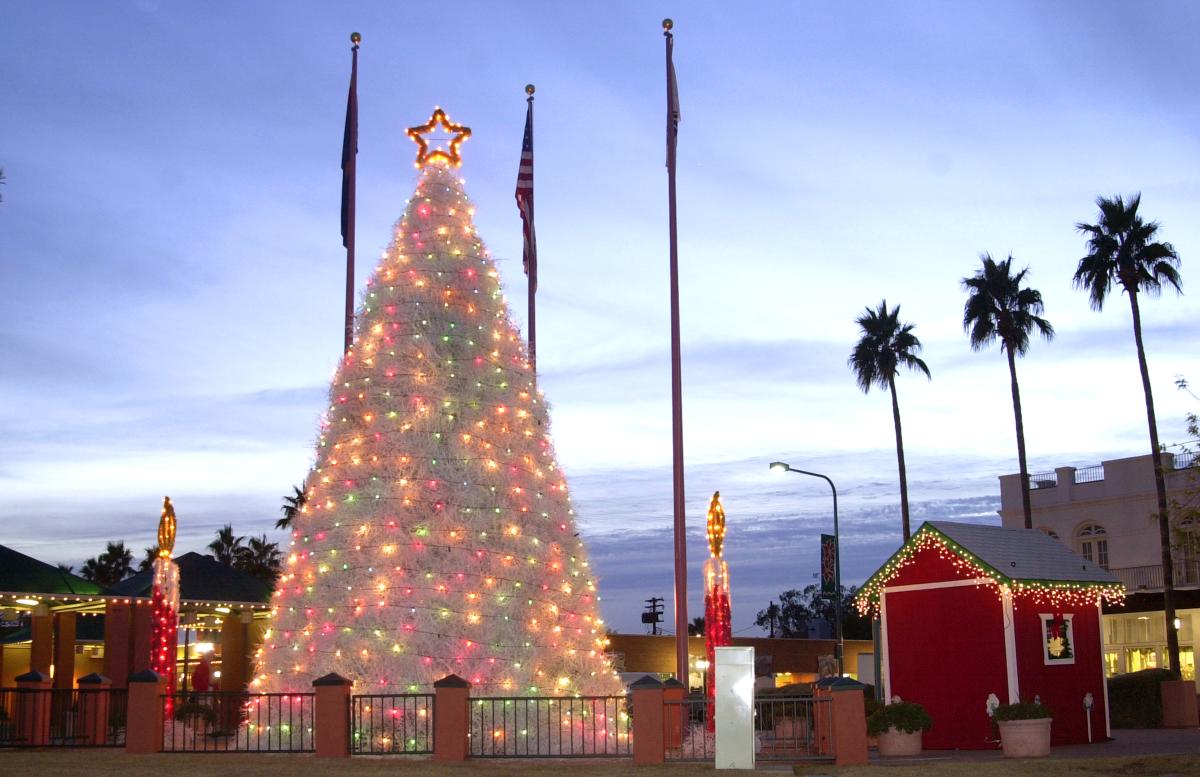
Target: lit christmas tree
[(438, 535)]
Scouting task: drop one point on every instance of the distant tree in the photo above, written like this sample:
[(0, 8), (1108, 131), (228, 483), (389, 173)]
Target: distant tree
[(227, 548), (260, 558), (292, 506), (887, 345), (768, 619), (696, 627), (998, 308), (796, 608), (1122, 250), (69, 569), (147, 561), (110, 567)]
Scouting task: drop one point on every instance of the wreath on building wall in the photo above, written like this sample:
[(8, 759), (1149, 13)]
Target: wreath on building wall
[(1058, 638)]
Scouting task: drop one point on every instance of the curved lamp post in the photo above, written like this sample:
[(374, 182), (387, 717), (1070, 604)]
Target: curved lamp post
[(783, 466)]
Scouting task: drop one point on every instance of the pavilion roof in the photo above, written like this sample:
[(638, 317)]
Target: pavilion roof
[(201, 578), (24, 574)]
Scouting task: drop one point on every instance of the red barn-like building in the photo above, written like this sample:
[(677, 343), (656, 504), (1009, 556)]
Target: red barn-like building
[(966, 611)]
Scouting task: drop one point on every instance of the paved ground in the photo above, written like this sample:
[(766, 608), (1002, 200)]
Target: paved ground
[(1125, 743)]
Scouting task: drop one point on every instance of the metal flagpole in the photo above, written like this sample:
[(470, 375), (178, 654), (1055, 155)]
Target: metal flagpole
[(681, 619), (349, 164)]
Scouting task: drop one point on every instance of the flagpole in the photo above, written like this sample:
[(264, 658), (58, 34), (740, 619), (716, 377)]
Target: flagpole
[(531, 270), (349, 184), (681, 619)]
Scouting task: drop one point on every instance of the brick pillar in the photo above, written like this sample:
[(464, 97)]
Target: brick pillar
[(141, 636), (451, 719), (673, 690), (849, 723), (41, 652), (331, 716), (144, 717), (33, 708), (64, 650), (649, 720), (822, 720), (233, 669), (117, 618), (94, 696)]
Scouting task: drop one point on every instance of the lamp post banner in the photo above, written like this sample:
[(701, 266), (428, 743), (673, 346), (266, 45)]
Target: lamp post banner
[(828, 564)]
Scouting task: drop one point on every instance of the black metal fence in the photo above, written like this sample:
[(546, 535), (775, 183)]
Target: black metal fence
[(786, 728), (90, 717), (686, 733), (391, 724), (550, 727), (793, 728), (234, 721)]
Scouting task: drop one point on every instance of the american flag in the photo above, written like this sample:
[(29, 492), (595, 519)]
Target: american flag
[(672, 101), (525, 199)]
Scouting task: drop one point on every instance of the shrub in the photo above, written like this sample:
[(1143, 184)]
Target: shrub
[(1136, 698), (194, 710), (906, 716), (1021, 711)]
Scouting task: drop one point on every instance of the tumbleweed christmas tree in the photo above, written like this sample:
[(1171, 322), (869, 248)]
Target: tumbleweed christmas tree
[(438, 535)]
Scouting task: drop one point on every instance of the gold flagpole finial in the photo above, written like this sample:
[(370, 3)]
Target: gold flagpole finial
[(668, 25), (355, 38), (529, 89)]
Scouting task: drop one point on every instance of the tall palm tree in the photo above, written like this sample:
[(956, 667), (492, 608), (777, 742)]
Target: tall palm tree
[(293, 505), (260, 558), (110, 567), (999, 309), (887, 345), (147, 561), (1122, 249), (226, 547)]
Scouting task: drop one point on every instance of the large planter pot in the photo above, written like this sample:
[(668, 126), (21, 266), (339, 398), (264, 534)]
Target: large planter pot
[(893, 743), (1025, 738)]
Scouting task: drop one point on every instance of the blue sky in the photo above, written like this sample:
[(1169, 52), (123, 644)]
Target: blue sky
[(172, 270)]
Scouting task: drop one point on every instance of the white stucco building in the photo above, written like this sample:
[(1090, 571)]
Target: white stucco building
[(1105, 513)]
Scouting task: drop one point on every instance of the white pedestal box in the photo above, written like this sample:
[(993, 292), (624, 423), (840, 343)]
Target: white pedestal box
[(735, 707)]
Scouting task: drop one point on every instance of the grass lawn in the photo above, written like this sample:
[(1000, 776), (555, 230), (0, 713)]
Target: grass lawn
[(107, 763)]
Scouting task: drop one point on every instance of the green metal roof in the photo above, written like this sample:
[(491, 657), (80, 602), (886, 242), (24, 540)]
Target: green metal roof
[(24, 574)]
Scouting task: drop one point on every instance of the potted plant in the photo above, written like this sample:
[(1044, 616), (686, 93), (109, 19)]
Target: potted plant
[(898, 727), (1024, 729)]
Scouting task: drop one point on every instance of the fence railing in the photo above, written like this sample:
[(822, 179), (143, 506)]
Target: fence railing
[(391, 724), (1187, 459), (686, 732), (1150, 577), (550, 727), (1043, 480), (1092, 474), (233, 721), (793, 728), (90, 717)]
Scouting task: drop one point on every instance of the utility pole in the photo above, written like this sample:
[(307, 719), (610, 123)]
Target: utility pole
[(653, 614)]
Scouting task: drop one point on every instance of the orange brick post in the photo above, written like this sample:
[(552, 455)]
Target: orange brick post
[(1179, 704), (674, 691), (451, 719), (33, 708), (94, 696), (331, 717), (822, 727), (849, 722), (64, 650), (649, 721), (41, 647), (144, 716)]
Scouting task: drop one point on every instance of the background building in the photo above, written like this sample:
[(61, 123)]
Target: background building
[(1106, 514)]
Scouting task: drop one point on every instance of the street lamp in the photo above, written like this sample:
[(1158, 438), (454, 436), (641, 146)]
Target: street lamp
[(783, 466)]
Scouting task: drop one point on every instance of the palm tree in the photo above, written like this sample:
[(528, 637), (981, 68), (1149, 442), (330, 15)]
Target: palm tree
[(226, 547), (887, 345), (110, 567), (696, 627), (999, 309), (1122, 249), (147, 561), (292, 506), (260, 558)]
